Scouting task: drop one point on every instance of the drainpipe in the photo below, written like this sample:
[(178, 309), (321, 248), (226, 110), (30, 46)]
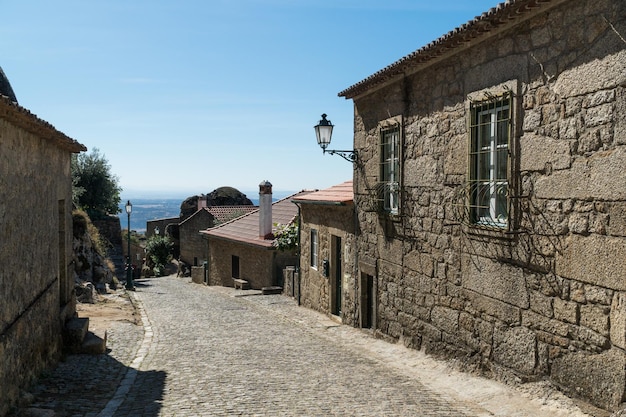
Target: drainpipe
[(299, 249)]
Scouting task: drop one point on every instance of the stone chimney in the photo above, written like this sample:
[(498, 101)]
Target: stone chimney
[(202, 201), (265, 210)]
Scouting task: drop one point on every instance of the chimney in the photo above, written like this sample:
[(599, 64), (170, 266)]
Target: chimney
[(202, 201), (265, 210)]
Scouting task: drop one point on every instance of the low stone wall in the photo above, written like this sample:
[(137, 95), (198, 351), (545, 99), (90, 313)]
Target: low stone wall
[(197, 274), (290, 282)]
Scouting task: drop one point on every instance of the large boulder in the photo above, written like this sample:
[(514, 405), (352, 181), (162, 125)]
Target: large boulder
[(223, 196), (90, 259)]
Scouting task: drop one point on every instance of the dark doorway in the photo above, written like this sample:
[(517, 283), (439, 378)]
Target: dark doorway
[(336, 275), (368, 297)]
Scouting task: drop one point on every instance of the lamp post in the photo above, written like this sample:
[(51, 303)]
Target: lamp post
[(324, 132), (129, 267)]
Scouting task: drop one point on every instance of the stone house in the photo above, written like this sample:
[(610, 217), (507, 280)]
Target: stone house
[(36, 280), (244, 248), (327, 242), (491, 196), (193, 245)]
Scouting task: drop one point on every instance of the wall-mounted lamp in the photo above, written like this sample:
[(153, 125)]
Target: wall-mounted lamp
[(324, 132)]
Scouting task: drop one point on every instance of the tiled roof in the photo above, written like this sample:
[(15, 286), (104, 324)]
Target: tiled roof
[(245, 229), (340, 194), (475, 30), (225, 213), (21, 117)]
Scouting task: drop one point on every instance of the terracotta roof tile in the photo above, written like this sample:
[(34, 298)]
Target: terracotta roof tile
[(225, 213), (340, 194), (245, 229), (476, 29)]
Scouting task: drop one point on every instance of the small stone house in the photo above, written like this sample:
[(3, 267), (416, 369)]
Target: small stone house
[(327, 242), (36, 280), (244, 248), (490, 193), (193, 246)]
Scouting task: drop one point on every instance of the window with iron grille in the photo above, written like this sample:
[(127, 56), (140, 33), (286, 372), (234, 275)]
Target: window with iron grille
[(390, 169), (314, 248), (489, 162)]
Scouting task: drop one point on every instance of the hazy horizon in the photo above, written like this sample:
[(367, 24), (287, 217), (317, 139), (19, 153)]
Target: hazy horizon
[(182, 195)]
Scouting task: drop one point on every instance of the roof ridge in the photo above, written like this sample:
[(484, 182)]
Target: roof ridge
[(496, 16)]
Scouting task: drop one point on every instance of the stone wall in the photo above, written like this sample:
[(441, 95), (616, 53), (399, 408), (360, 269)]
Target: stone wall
[(547, 298), (193, 245), (256, 264), (35, 283), (316, 290)]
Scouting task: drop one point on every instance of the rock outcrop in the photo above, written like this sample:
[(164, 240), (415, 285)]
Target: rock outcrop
[(92, 268), (223, 196)]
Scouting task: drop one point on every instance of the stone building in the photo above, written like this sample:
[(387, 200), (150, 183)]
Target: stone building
[(327, 242), (36, 283), (244, 248), (491, 195), (193, 244)]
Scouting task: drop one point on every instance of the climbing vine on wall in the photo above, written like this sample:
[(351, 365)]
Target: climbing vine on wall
[(286, 236)]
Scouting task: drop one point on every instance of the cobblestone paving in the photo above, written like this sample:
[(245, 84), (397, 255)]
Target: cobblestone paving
[(213, 354), (81, 385), (215, 351)]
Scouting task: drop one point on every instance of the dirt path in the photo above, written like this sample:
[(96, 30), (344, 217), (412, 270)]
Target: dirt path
[(111, 307)]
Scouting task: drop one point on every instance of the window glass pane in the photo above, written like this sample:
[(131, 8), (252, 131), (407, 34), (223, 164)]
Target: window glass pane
[(502, 131), (484, 166), (501, 213), (484, 131), (489, 166), (501, 164), (390, 169), (314, 248)]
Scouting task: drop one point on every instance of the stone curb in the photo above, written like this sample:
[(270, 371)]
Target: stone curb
[(129, 379)]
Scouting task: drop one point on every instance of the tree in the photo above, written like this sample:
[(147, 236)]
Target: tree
[(94, 188), (159, 250)]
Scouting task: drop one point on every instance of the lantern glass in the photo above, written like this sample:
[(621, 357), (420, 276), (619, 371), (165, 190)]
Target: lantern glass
[(324, 132)]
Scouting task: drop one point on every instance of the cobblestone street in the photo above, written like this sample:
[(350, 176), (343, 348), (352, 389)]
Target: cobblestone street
[(211, 351)]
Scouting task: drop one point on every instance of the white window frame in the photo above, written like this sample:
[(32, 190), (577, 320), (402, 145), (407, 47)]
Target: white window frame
[(490, 131)]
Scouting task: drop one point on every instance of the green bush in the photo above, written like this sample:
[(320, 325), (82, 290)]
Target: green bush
[(287, 236), (159, 250)]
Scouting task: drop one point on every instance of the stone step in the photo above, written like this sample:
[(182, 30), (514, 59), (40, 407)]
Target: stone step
[(74, 332), (95, 343), (271, 290)]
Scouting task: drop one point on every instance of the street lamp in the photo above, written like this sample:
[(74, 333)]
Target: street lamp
[(324, 132), (129, 267)]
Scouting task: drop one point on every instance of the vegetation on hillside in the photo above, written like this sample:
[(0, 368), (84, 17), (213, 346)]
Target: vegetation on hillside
[(83, 226), (94, 188)]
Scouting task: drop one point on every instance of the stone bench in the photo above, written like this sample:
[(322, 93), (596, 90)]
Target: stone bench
[(241, 284)]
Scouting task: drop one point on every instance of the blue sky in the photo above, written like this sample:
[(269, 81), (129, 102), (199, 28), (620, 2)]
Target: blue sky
[(186, 96)]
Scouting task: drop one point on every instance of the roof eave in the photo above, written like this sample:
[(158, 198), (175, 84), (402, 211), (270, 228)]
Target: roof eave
[(481, 28)]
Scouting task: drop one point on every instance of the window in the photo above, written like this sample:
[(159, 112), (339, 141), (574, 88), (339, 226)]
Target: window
[(390, 169), (490, 131), (314, 248), (235, 266)]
